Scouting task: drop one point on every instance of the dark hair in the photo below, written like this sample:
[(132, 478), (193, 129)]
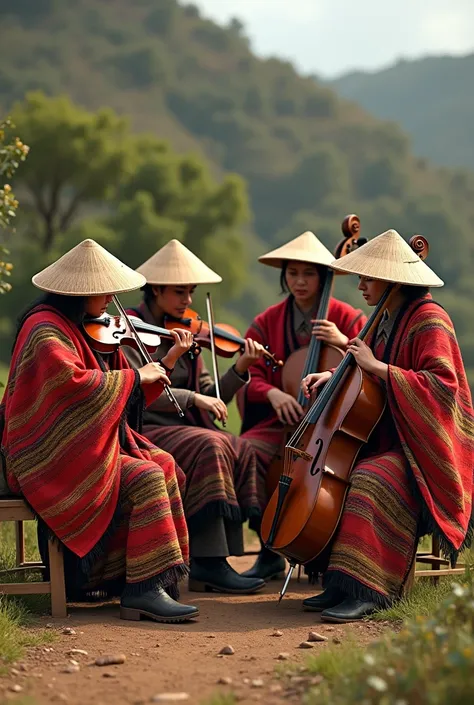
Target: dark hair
[(148, 295), (411, 293), (320, 268), (73, 307)]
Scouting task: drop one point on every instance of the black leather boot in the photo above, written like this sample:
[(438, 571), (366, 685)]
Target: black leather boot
[(215, 574), (155, 604), (268, 566), (331, 597), (349, 611)]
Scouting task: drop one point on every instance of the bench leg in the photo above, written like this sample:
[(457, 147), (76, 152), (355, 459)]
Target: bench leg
[(58, 586), (20, 543)]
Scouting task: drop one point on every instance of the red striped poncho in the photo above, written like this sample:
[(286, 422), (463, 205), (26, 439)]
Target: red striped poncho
[(62, 415), (430, 401)]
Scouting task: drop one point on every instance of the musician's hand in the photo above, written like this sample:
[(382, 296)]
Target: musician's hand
[(253, 351), (286, 407), (153, 372), (213, 405), (183, 340), (329, 333), (313, 381), (366, 359)]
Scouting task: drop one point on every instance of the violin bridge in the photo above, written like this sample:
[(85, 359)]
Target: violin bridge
[(300, 453)]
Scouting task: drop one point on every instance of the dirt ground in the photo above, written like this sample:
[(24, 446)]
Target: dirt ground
[(180, 658)]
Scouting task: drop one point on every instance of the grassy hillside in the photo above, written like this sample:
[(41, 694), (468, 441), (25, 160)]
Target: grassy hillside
[(308, 156), (432, 99)]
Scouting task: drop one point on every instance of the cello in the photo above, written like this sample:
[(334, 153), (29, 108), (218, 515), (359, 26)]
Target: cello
[(304, 512), (317, 356)]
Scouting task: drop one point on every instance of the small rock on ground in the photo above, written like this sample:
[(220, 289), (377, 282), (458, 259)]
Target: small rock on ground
[(227, 650), (306, 645), (170, 697), (68, 630), (284, 656), (110, 660), (224, 680), (277, 632), (314, 636)]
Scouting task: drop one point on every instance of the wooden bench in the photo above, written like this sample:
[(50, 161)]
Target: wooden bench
[(15, 509), (434, 559)]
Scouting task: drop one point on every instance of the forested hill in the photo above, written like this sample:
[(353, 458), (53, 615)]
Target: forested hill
[(432, 99), (308, 156)]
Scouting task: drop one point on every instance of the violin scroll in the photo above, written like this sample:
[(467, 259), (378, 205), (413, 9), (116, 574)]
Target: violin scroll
[(420, 245), (350, 229)]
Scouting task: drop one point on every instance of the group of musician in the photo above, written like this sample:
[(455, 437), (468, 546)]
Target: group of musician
[(140, 496)]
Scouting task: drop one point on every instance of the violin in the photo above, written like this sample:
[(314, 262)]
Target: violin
[(304, 512), (317, 356), (107, 332), (227, 339)]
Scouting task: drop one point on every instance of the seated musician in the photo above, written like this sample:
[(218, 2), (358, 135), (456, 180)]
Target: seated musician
[(220, 468), (286, 327), (110, 497), (415, 474)]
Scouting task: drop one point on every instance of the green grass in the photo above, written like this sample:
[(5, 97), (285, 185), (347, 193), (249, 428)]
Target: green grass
[(14, 637), (425, 597), (333, 663)]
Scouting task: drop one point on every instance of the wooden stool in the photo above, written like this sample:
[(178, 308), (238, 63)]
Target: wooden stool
[(15, 509)]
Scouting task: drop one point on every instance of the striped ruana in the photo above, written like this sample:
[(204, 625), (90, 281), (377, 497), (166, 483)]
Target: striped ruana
[(96, 484), (416, 476)]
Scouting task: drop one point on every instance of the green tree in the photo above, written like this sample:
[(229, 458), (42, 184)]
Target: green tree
[(79, 158), (12, 152)]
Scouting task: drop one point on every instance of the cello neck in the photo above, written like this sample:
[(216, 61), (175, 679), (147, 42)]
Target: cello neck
[(315, 345), (330, 388)]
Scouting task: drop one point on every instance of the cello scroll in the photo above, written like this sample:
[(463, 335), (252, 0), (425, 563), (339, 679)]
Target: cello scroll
[(420, 245), (351, 230)]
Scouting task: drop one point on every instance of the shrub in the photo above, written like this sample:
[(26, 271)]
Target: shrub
[(429, 662)]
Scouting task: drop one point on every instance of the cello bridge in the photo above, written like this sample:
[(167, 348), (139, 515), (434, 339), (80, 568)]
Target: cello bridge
[(300, 453)]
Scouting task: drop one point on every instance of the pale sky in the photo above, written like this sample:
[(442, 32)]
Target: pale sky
[(330, 37)]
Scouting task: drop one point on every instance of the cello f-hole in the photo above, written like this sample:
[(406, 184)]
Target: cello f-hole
[(319, 449)]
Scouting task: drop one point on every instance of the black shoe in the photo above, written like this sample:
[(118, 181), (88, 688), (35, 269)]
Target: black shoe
[(208, 575), (155, 604), (268, 566), (325, 600), (349, 611)]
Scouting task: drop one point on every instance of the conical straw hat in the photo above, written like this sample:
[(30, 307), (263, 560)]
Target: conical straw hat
[(175, 264), (389, 258), (88, 270), (304, 248)]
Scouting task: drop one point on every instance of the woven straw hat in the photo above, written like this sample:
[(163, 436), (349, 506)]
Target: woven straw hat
[(88, 270), (304, 248), (175, 264), (389, 258)]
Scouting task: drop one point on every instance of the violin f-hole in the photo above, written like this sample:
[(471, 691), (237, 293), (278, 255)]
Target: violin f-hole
[(319, 449)]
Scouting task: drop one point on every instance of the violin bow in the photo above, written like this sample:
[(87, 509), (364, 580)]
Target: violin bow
[(210, 318), (146, 355)]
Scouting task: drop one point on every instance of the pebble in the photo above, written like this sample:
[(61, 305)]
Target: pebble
[(211, 636), (336, 641), (329, 629), (22, 667), (71, 669), (257, 683), (275, 688), (170, 697), (246, 681), (284, 656), (108, 674), (77, 652), (110, 660), (306, 645), (73, 662), (14, 672), (314, 636), (227, 651), (16, 688), (224, 680), (277, 632), (68, 630)]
